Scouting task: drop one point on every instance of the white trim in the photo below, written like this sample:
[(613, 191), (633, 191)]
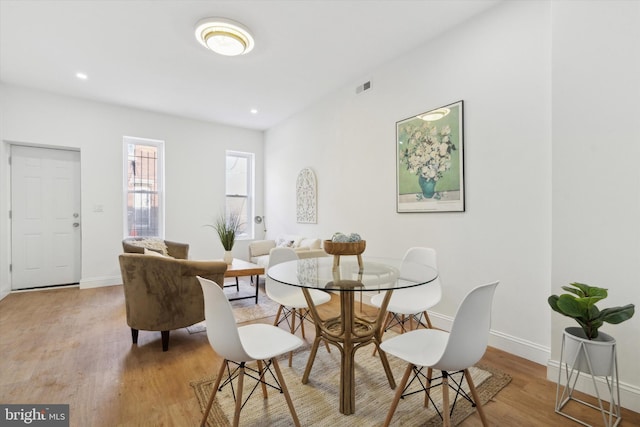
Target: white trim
[(505, 342), (99, 282)]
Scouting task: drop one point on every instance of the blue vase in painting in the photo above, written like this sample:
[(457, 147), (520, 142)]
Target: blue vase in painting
[(428, 186)]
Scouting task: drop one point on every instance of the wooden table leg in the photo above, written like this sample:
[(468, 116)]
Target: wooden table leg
[(257, 283), (348, 340)]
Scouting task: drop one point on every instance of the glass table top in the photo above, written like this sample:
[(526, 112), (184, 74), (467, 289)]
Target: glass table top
[(377, 274)]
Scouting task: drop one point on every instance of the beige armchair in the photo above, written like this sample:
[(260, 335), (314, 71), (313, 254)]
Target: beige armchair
[(163, 293)]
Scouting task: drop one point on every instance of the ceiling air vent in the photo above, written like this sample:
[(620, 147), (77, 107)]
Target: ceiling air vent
[(363, 87)]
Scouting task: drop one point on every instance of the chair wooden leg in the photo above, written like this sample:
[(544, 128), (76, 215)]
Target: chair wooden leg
[(287, 397), (165, 340), (428, 391), (294, 313), (426, 316), (275, 322), (134, 335), (398, 395), (446, 418), (236, 415), (293, 320), (262, 373), (311, 359), (302, 322), (476, 398), (213, 393), (383, 327)]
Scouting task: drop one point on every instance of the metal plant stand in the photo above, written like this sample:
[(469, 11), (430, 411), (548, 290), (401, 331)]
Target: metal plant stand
[(610, 416)]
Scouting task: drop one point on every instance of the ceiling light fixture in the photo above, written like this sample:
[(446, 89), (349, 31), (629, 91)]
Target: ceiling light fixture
[(224, 36), (82, 76), (434, 115)]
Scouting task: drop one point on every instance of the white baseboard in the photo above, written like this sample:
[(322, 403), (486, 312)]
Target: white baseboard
[(629, 394), (98, 282), (511, 344)]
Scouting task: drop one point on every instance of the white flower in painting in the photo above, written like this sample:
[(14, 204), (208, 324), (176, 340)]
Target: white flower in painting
[(428, 150)]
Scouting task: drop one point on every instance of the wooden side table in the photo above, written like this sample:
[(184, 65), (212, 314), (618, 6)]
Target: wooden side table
[(241, 268)]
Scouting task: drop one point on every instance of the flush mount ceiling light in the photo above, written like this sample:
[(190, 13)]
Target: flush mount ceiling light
[(224, 36), (434, 115)]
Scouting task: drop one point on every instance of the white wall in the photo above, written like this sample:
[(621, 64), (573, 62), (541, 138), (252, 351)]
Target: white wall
[(596, 174), (194, 169), (551, 151), (500, 64)]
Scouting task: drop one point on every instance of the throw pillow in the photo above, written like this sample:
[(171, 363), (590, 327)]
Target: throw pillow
[(157, 244), (154, 253), (284, 243)]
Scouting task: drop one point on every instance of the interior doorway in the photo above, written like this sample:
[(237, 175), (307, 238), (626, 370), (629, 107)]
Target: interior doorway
[(45, 217)]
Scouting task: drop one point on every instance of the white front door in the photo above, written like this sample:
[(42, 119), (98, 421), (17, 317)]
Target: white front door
[(45, 217)]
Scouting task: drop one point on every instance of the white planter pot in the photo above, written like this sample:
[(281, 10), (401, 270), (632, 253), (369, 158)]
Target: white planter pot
[(228, 257), (579, 351)]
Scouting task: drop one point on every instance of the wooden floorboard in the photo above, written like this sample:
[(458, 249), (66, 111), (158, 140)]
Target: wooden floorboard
[(73, 346)]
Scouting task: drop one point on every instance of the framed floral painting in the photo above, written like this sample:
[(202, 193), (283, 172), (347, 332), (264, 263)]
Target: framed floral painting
[(430, 161)]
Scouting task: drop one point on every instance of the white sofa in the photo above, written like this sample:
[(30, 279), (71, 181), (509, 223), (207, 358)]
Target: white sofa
[(305, 247)]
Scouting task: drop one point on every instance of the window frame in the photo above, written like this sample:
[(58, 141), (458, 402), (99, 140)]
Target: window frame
[(160, 184), (249, 233)]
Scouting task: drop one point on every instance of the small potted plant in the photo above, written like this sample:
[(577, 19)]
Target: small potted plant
[(580, 304), (227, 227)]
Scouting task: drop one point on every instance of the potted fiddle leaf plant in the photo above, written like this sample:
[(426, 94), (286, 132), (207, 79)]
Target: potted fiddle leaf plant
[(227, 227), (579, 303)]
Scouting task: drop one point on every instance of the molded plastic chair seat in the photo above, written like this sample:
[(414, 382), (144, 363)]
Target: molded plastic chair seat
[(262, 341), (297, 300), (449, 352), (239, 345), (412, 302), (292, 302)]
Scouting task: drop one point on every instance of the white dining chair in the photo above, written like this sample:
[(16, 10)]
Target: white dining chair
[(239, 345), (449, 352), (293, 305), (411, 304)]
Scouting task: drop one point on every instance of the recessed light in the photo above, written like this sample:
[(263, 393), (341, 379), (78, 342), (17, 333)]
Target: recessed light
[(224, 36), (254, 111), (82, 76)]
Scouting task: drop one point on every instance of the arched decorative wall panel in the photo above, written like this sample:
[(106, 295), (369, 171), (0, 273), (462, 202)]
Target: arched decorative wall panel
[(306, 197)]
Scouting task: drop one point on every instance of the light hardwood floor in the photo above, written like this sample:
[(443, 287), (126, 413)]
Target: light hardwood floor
[(73, 346)]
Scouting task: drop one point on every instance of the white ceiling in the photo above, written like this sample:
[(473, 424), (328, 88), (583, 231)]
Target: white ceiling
[(143, 53)]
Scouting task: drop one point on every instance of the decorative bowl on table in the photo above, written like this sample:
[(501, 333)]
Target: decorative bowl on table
[(344, 248)]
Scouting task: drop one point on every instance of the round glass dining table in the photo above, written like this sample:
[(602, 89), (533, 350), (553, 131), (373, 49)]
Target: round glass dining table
[(349, 331)]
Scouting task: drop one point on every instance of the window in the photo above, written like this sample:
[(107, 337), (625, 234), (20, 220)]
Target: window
[(239, 190), (143, 187)]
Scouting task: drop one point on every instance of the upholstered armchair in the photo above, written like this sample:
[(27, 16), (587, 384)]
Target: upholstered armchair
[(162, 293)]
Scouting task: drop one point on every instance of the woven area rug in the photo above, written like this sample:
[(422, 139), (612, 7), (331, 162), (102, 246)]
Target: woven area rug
[(246, 309), (317, 403)]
